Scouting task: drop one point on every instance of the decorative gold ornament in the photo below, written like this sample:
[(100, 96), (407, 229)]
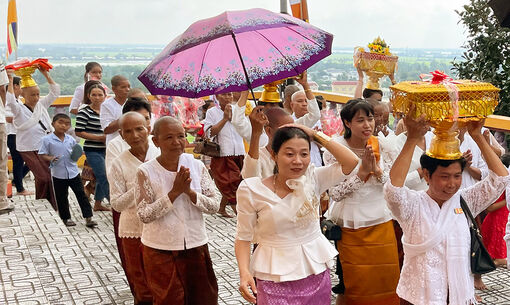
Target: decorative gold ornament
[(476, 100), (376, 63), (270, 93), (26, 76)]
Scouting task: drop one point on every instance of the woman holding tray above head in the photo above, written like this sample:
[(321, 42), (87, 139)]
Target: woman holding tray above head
[(281, 213)]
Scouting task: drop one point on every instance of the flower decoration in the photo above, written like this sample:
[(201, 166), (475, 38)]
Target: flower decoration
[(379, 46)]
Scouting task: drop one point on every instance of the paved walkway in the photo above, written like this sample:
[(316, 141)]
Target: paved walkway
[(44, 262)]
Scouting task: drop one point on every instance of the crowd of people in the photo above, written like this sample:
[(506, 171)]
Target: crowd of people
[(404, 238)]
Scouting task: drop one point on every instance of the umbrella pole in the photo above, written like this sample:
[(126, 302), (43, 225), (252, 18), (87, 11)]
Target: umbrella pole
[(244, 68)]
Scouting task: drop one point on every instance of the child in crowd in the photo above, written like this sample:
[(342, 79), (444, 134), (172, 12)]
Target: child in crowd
[(56, 148)]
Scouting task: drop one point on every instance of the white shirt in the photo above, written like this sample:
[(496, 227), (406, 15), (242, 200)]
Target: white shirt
[(30, 139), (312, 117), (242, 125), (477, 161), (122, 178), (358, 204), (180, 224), (113, 150), (290, 243), (262, 167), (4, 80), (307, 119), (231, 143), (110, 111), (413, 180), (77, 97), (9, 127), (423, 279)]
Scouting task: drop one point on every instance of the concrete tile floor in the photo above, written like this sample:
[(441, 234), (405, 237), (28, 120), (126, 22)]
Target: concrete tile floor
[(44, 262)]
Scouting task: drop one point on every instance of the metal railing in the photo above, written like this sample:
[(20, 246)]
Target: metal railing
[(494, 122)]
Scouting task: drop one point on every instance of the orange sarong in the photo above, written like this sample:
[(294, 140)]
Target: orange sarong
[(370, 265)]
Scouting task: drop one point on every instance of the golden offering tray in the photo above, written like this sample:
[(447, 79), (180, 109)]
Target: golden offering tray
[(476, 100), (26, 76)]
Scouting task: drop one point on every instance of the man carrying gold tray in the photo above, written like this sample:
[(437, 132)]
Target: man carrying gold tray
[(437, 266)]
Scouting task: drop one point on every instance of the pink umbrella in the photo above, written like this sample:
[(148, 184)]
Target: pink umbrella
[(235, 51)]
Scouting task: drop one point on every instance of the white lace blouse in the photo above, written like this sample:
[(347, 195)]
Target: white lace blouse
[(423, 279), (357, 204), (122, 178), (290, 243), (180, 224), (262, 167)]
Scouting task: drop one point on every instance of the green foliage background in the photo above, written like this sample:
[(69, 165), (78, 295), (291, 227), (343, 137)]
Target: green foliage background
[(487, 55)]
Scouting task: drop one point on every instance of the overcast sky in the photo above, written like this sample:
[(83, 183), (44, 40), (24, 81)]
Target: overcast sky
[(402, 23)]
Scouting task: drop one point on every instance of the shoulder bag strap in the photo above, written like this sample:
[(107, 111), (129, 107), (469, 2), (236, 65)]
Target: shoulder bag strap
[(468, 214)]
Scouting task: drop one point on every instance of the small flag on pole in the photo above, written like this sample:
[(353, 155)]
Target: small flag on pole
[(299, 9), (12, 28)]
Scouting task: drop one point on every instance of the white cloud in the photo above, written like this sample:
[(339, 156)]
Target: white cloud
[(411, 23)]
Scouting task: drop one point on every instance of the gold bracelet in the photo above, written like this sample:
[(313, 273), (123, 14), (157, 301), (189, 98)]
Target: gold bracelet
[(321, 138), (306, 90)]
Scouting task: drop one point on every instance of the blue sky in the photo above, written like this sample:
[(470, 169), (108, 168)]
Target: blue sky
[(402, 23)]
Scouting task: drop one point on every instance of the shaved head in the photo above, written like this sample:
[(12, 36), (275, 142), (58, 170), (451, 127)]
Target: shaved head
[(297, 95), (130, 117), (289, 91), (277, 117), (165, 120)]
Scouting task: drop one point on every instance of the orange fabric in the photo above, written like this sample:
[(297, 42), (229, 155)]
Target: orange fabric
[(370, 265)]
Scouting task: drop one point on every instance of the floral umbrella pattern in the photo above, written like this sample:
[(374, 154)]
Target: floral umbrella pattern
[(204, 59)]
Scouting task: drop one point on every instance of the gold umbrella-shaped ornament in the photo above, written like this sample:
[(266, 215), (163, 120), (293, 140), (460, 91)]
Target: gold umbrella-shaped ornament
[(448, 105)]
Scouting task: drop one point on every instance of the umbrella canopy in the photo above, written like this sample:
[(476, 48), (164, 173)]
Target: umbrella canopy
[(214, 55), (501, 9)]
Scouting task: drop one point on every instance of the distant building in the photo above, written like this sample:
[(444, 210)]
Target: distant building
[(344, 87)]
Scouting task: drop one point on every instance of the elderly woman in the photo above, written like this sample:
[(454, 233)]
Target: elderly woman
[(436, 232), (281, 212), (173, 191)]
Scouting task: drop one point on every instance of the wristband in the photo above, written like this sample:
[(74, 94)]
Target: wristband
[(321, 138)]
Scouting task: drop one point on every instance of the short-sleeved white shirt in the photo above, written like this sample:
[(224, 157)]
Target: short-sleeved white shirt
[(111, 110)]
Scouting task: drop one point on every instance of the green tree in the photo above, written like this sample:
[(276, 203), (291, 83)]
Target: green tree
[(487, 55)]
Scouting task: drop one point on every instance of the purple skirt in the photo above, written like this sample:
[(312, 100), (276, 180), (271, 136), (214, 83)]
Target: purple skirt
[(312, 290)]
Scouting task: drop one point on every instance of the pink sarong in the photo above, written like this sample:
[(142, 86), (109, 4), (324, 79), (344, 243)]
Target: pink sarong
[(312, 290)]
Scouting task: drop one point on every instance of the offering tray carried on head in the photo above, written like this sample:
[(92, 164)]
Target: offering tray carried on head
[(448, 105)]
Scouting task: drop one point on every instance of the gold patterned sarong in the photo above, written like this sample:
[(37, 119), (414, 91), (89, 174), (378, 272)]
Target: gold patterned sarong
[(370, 265)]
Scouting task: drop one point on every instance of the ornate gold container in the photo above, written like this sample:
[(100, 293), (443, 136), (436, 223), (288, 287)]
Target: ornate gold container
[(270, 93), (26, 76), (476, 100), (375, 66)]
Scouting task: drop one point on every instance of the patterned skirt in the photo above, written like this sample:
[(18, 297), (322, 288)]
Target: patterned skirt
[(312, 290)]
